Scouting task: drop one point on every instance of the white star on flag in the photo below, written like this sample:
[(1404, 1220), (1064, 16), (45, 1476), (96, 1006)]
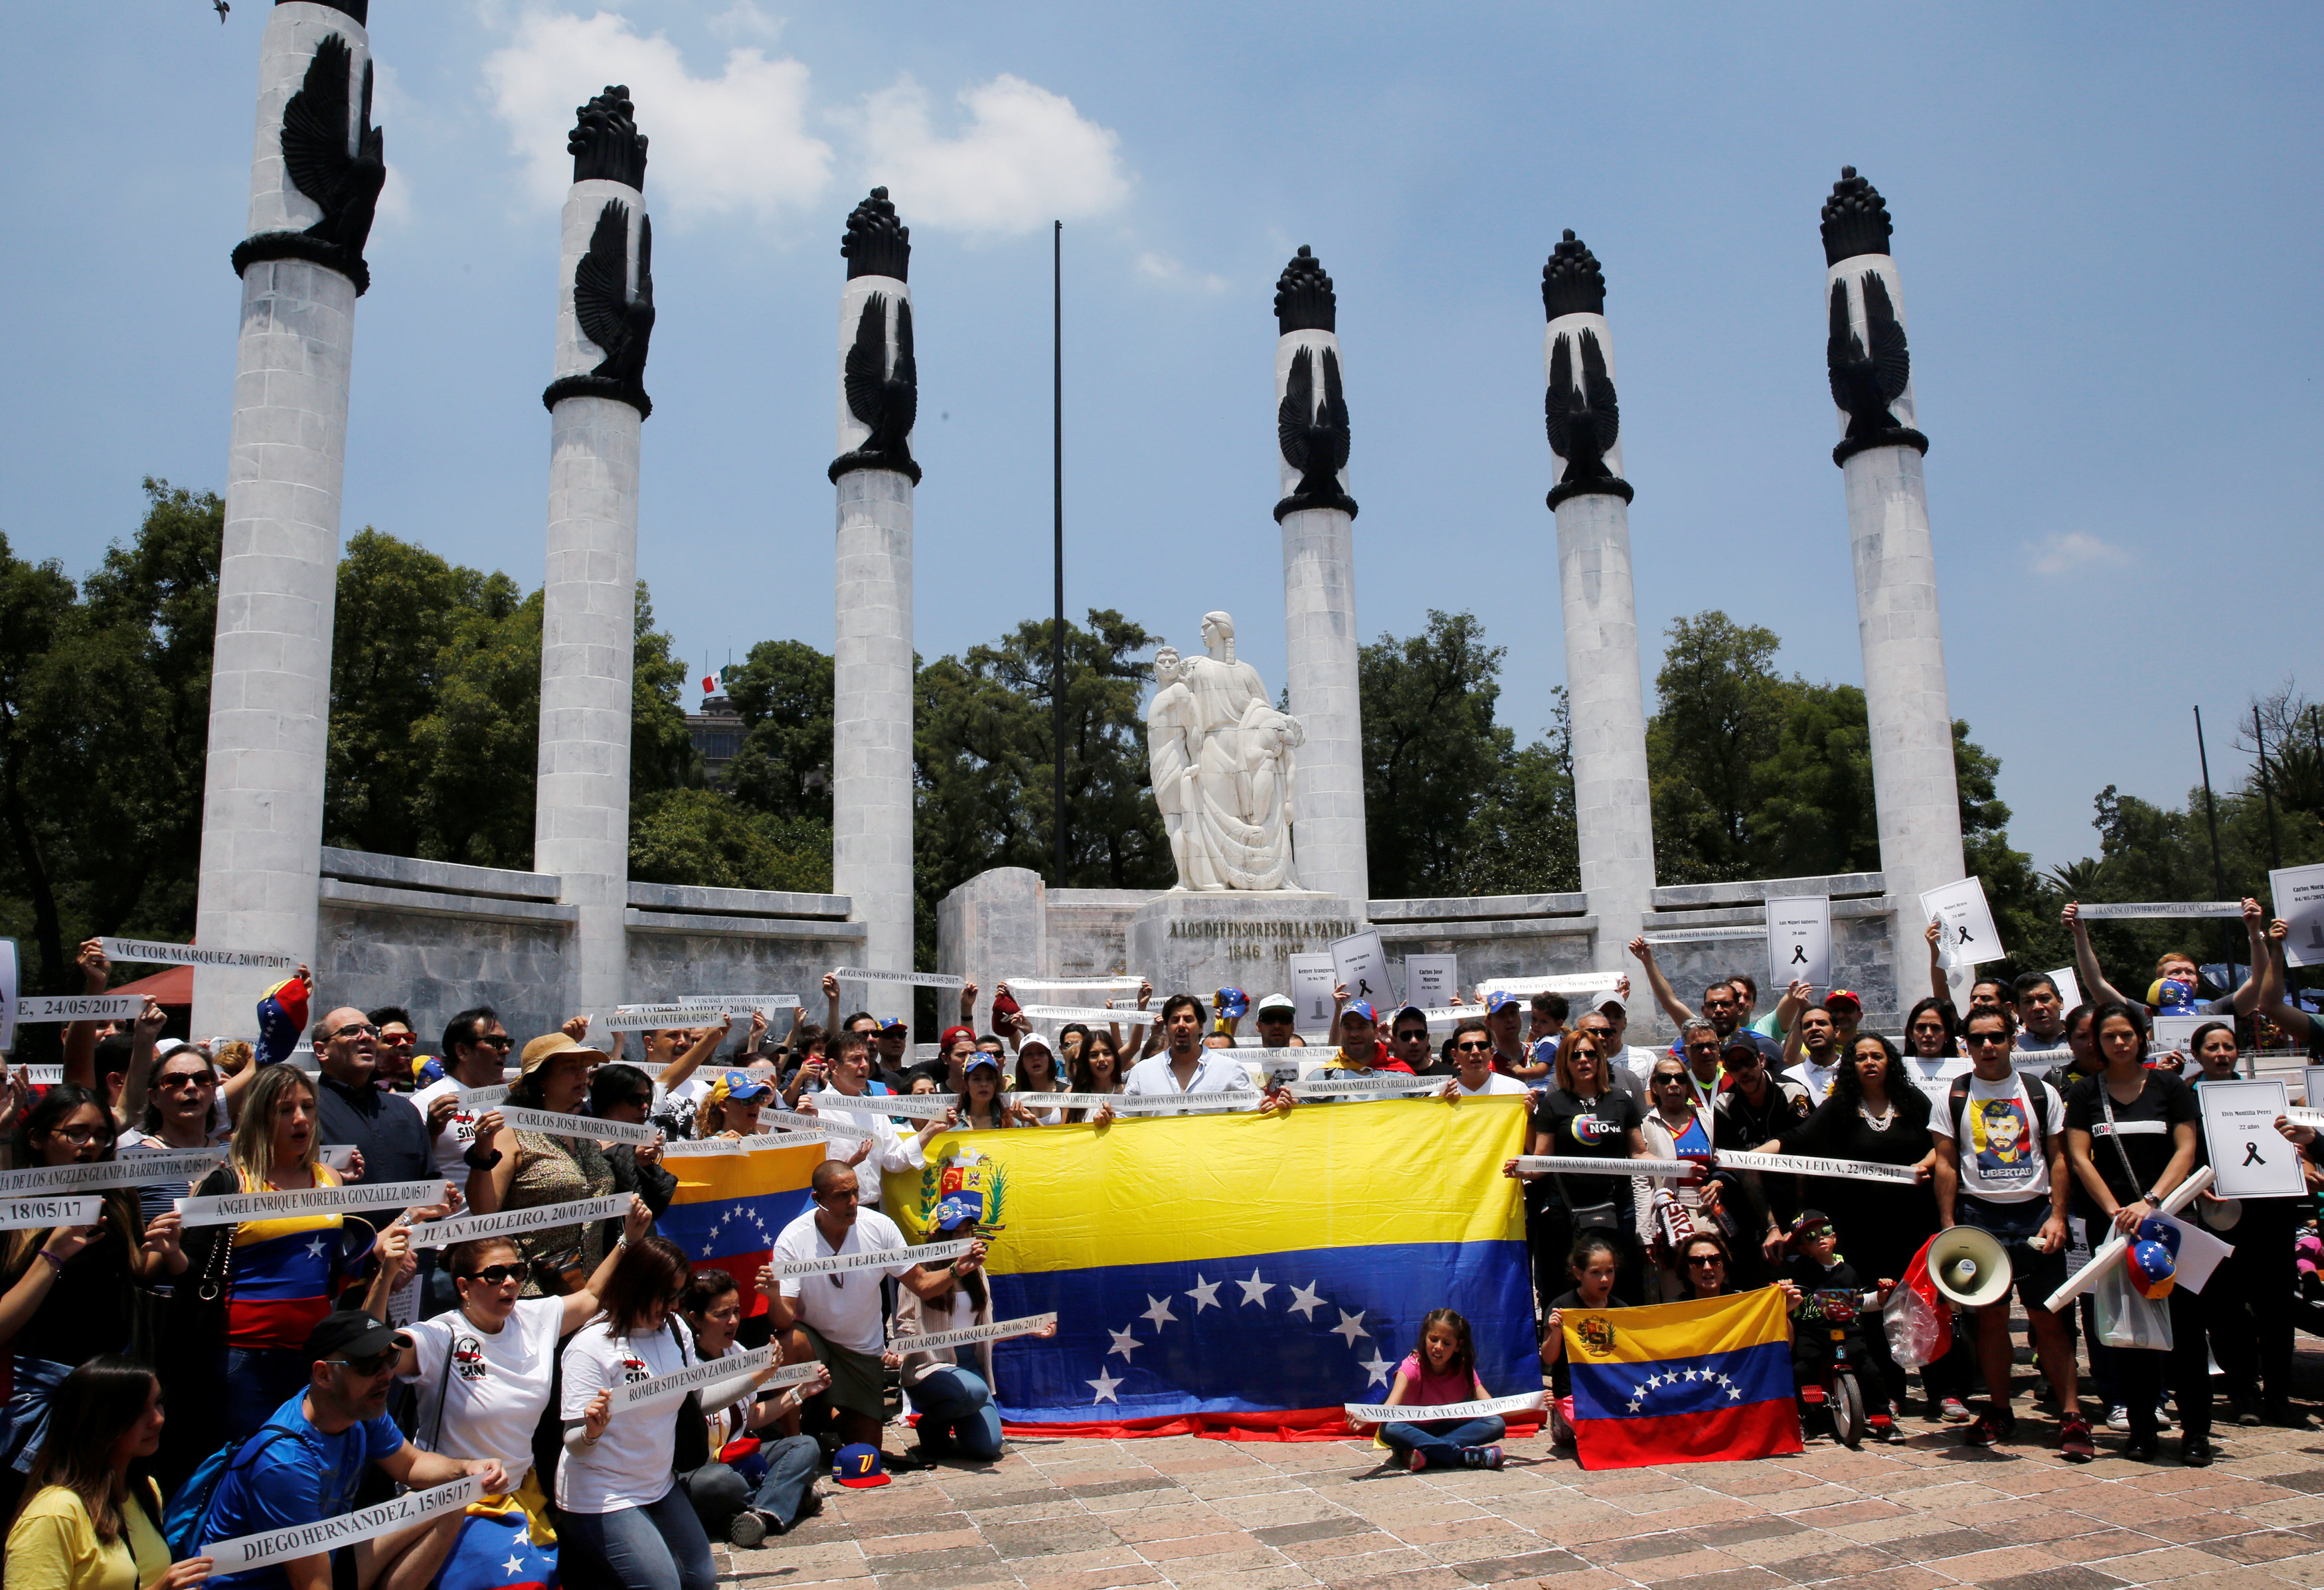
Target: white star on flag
[(1124, 1343), (1637, 1391), (1635, 1404), (514, 1566), (315, 1248), (1734, 1393), (1376, 1370), (1205, 1293), (1160, 1311), (1255, 1291), (1350, 1325), (1689, 1374), (1306, 1300), (1104, 1385)]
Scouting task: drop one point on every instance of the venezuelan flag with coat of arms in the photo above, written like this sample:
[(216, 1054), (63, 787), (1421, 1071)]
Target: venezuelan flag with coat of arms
[(1237, 1274), (1706, 1382), (729, 1208)]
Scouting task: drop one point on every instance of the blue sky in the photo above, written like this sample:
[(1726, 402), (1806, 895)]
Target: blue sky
[(2108, 229)]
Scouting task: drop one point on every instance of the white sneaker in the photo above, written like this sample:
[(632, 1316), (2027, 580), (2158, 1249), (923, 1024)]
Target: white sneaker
[(2118, 1417), (2162, 1417)]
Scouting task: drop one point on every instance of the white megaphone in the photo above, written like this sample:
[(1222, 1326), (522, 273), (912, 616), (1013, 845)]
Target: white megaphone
[(1969, 1267)]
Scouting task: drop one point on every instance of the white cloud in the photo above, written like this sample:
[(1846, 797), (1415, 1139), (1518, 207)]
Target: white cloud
[(2057, 553), (1027, 156), (743, 19), (735, 143), (1168, 271)]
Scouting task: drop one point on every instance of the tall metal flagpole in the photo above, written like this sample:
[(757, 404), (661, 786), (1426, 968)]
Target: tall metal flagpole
[(1057, 499)]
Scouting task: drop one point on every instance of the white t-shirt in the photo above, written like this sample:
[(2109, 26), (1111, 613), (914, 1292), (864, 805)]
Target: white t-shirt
[(1217, 1071), (458, 1133), (2039, 1056), (499, 1386), (893, 1149), (845, 1314), (1999, 1160), (630, 1465), (1816, 1079), (1496, 1083)]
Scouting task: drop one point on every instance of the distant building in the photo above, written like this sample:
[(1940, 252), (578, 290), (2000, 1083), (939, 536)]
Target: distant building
[(717, 734)]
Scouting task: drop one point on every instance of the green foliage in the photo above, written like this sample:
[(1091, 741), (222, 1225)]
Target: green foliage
[(476, 751), (704, 837), (783, 690), (661, 753)]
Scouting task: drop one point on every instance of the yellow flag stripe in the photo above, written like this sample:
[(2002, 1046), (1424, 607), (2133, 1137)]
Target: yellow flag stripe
[(1678, 1330)]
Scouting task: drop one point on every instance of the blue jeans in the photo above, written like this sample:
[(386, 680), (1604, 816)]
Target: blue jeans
[(957, 1415), (254, 1382), (1441, 1442), (784, 1471), (657, 1547)]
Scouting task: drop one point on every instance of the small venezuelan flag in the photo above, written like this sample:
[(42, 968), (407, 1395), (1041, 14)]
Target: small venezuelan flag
[(1706, 1382), (729, 1209)]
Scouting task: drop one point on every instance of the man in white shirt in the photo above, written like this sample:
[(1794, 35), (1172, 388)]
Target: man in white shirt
[(893, 1148), (1472, 1064), (2041, 1041), (1185, 1066), (2001, 1167), (475, 1051), (834, 1316), (1815, 1039)]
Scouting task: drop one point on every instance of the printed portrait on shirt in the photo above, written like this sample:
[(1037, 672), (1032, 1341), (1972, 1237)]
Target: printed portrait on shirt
[(2002, 1140)]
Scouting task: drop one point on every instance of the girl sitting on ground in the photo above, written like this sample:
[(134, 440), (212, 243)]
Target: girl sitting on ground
[(1442, 1368)]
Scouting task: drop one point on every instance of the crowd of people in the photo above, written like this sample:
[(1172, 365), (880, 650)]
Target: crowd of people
[(316, 1359)]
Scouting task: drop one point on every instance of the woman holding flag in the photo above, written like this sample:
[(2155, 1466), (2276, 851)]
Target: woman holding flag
[(1582, 1116)]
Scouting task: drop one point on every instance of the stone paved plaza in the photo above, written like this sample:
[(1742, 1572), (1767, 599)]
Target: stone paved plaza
[(1084, 1515)]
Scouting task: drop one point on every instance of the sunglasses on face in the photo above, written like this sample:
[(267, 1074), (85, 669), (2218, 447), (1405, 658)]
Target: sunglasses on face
[(1474, 1047), (353, 1026), (500, 1040), (370, 1363), (1985, 1040), (1710, 1259), (495, 1275), (186, 1080)]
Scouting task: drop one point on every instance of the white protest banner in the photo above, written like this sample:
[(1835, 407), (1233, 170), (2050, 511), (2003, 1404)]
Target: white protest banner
[(349, 1528), (813, 1125), (1582, 1164), (21, 1214), (644, 1393), (2300, 1115), (38, 1009), (1564, 982), (928, 1252), (1967, 936), (1799, 941), (2311, 1078), (1431, 979), (703, 1148), (230, 1209), (7, 995), (151, 952), (1130, 983), (41, 1076), (1360, 966), (483, 1098), (539, 1218), (1311, 989), (2114, 1246), (2121, 910), (590, 1126), (1084, 1013), (1487, 1407), (130, 1170), (765, 1004), (918, 980), (1805, 1164), (2249, 1154), (2069, 988), (1134, 1104), (2168, 1032), (1703, 935), (998, 1331), (340, 1156), (1394, 1085), (653, 1019), (2297, 896), (910, 1106)]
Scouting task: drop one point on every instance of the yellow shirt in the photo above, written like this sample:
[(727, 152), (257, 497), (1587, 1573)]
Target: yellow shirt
[(54, 1546)]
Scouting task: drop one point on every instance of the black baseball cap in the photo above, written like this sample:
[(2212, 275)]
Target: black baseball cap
[(348, 1333)]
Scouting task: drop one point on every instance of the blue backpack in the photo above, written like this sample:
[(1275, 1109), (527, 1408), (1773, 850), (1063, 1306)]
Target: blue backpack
[(185, 1524)]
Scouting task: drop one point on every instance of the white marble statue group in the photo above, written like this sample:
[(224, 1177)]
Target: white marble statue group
[(1221, 758)]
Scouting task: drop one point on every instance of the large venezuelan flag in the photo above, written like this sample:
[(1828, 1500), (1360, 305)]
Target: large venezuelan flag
[(1240, 1275), (1704, 1381), (729, 1209)]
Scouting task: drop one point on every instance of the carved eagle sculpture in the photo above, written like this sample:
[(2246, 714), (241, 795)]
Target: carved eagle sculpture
[(885, 399), (610, 315), (1583, 419), (315, 149), (1863, 384), (1313, 436)]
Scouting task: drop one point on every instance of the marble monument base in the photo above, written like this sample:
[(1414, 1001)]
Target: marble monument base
[(1189, 941)]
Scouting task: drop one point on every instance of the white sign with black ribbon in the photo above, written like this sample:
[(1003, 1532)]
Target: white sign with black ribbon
[(229, 1208), (2247, 1154), (539, 1218), (928, 1252), (1799, 941), (998, 1331), (1966, 934), (22, 1214), (327, 1535), (152, 953), (563, 1126), (1807, 1164), (2297, 896), (130, 1170), (918, 980), (660, 1388), (1486, 1407), (44, 1010)]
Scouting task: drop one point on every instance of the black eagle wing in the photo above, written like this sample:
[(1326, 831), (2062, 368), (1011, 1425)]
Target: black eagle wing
[(865, 372), (1296, 412), (1600, 389), (315, 124), (1842, 349), (1335, 415), (644, 295), (600, 279), (904, 381), (1892, 361), (1557, 402)]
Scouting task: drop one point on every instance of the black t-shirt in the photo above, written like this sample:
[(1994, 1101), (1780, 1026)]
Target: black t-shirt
[(2145, 1136), (1599, 1128), (1560, 1375), (1838, 1130)]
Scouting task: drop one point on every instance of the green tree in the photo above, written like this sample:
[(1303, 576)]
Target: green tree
[(1433, 753), (476, 752), (1523, 839), (661, 752), (1717, 725), (783, 691), (704, 837)]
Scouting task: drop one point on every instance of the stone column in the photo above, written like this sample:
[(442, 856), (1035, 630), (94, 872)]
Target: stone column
[(1319, 586), (1613, 814), (1879, 452), (871, 651), (301, 268), (597, 406)]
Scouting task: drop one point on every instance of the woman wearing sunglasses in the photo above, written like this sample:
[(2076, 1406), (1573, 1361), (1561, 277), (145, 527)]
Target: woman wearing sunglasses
[(1582, 1115), (619, 1504), (484, 1373), (65, 1293)]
